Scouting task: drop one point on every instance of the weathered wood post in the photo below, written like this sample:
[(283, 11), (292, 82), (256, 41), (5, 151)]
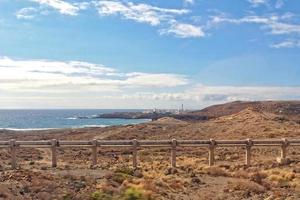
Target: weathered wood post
[(173, 152), (54, 145), (249, 144), (211, 153), (134, 153), (94, 152), (12, 145), (283, 159), (283, 148)]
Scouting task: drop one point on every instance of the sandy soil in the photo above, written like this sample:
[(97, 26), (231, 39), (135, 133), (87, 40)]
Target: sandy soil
[(113, 178)]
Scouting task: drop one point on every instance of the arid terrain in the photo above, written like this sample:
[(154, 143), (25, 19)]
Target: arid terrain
[(114, 178)]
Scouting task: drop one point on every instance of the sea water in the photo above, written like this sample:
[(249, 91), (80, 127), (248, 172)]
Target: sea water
[(52, 119)]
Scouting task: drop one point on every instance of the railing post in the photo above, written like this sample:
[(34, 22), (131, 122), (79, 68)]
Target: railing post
[(248, 152), (173, 153), (94, 152), (211, 153), (12, 145), (283, 159), (134, 153), (283, 148), (54, 144)]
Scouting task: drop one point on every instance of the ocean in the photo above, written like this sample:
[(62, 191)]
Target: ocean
[(53, 119)]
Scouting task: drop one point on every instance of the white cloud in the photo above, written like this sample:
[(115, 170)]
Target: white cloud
[(189, 2), (287, 44), (183, 30), (62, 6), (138, 12), (276, 24), (256, 3), (49, 84), (197, 97), (143, 13), (245, 92), (279, 3), (270, 3), (156, 80), (49, 76), (155, 16), (82, 5), (26, 13), (215, 94)]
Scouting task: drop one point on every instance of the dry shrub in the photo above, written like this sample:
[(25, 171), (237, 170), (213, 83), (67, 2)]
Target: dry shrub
[(248, 186), (258, 177), (281, 177), (106, 188), (240, 174), (275, 178), (215, 171), (296, 185), (289, 176), (149, 185), (176, 184)]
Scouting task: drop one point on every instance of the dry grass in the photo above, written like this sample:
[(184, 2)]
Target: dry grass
[(215, 171), (247, 187)]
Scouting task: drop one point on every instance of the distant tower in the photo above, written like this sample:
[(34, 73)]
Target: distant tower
[(181, 107)]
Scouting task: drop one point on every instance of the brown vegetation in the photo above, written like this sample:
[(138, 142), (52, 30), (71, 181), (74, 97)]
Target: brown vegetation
[(113, 177)]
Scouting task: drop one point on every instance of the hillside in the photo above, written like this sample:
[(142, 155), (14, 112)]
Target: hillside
[(288, 108), (193, 179)]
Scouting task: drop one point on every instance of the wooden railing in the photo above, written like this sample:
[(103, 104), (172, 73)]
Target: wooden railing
[(134, 144)]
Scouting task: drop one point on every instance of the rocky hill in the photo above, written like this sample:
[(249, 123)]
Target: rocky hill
[(286, 108)]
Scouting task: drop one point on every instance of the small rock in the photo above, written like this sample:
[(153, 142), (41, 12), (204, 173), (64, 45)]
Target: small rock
[(226, 166), (67, 167), (43, 168), (40, 157), (171, 171), (138, 173), (93, 166), (31, 163), (44, 195), (79, 185), (82, 178), (296, 170), (193, 175), (283, 161), (197, 180), (24, 190), (3, 195)]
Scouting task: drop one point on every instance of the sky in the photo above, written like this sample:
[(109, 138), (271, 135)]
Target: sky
[(147, 54)]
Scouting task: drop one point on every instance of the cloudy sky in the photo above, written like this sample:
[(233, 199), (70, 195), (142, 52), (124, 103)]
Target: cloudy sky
[(146, 54)]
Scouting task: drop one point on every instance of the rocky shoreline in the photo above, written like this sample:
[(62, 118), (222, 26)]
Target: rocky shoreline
[(152, 115)]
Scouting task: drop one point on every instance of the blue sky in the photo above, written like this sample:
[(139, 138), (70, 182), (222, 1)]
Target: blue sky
[(145, 54)]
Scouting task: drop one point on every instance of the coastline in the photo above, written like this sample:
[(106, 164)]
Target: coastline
[(76, 123)]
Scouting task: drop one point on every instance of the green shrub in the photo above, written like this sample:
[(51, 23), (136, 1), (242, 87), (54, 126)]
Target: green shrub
[(98, 195), (66, 196), (125, 170), (133, 194), (120, 177)]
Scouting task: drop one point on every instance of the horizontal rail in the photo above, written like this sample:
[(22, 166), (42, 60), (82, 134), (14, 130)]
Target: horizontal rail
[(167, 143), (134, 144), (25, 143), (74, 142)]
